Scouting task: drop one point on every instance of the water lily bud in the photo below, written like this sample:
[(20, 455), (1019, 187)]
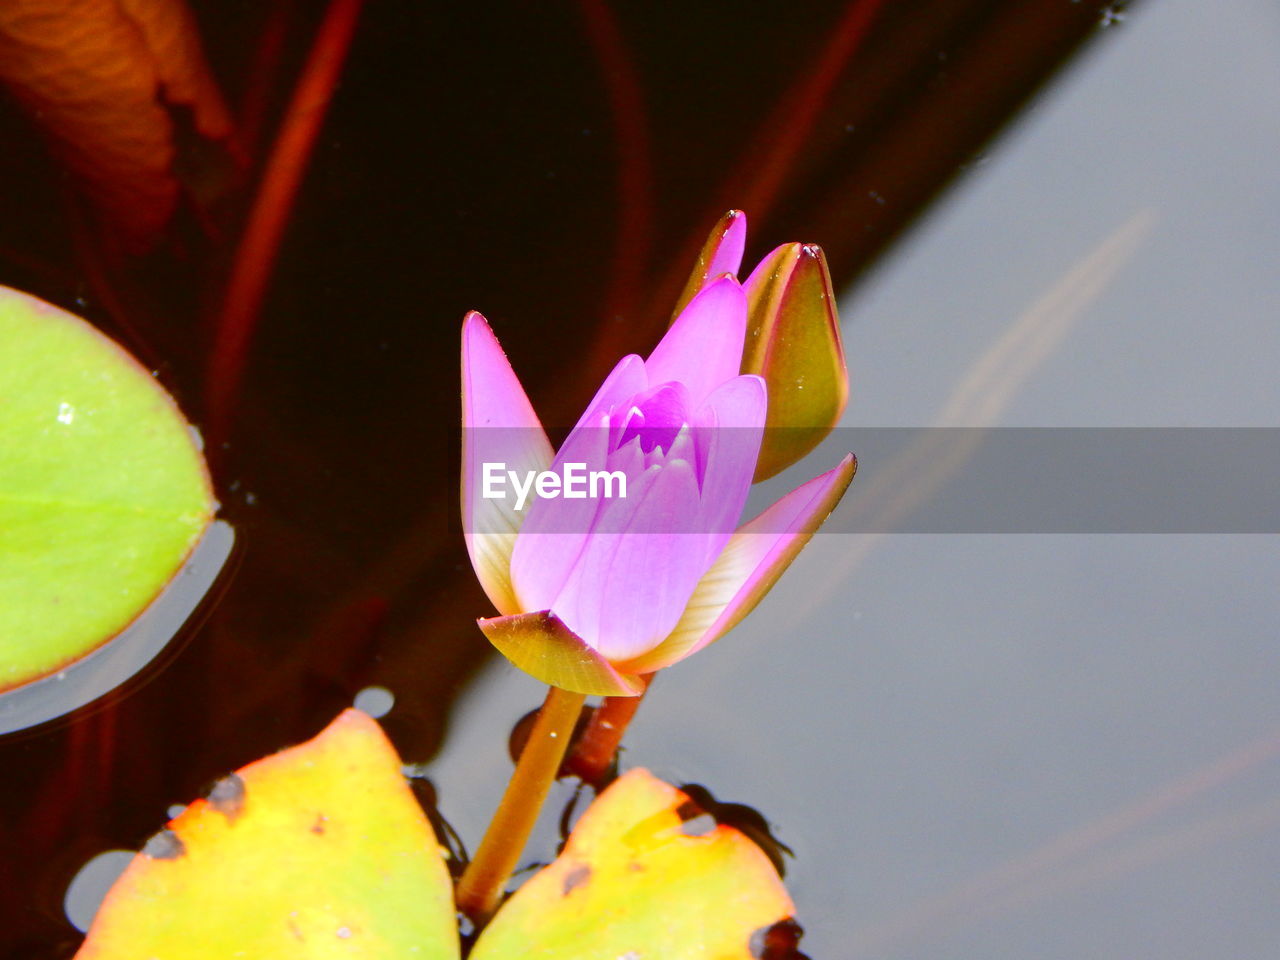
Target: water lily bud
[(793, 342), (793, 338), (600, 583)]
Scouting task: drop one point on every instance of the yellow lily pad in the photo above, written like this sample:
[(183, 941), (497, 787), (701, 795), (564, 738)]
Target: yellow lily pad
[(634, 881), (318, 852)]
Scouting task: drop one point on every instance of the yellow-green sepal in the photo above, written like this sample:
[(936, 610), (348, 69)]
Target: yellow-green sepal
[(793, 341), (543, 647)]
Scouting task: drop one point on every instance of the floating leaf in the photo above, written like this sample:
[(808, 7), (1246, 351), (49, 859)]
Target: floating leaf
[(102, 491), (633, 883), (319, 851), (95, 75)]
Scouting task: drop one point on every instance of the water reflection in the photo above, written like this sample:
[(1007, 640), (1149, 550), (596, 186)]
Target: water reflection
[(375, 701), (90, 885), (1027, 746), (113, 663)]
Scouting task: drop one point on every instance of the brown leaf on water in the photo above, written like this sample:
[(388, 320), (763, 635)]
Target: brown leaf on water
[(98, 76)]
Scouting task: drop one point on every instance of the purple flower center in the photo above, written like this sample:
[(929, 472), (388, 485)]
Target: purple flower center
[(654, 418)]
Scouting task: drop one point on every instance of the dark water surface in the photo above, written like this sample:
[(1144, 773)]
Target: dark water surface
[(969, 741), (1028, 746)]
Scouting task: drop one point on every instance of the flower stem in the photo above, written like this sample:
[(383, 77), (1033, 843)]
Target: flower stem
[(594, 751), (482, 884)]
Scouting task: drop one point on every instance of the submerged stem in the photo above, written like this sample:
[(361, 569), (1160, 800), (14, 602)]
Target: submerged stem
[(269, 216), (480, 889), (595, 749)]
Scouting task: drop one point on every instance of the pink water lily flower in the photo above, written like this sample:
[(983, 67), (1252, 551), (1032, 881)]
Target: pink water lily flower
[(595, 591)]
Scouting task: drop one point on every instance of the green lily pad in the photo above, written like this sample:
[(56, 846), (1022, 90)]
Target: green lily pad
[(634, 881), (320, 851), (103, 492)]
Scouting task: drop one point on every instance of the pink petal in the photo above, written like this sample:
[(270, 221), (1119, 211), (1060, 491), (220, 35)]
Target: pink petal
[(753, 561), (498, 426), (703, 348), (655, 417), (556, 530), (624, 381), (727, 255), (721, 254), (580, 598), (730, 426), (639, 567)]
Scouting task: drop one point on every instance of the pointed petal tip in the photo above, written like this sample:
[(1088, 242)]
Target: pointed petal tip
[(848, 464), (724, 279), (733, 228), (775, 266), (756, 556), (815, 501), (723, 291), (498, 425), (477, 338), (727, 257), (703, 348), (721, 253), (819, 497), (491, 391)]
